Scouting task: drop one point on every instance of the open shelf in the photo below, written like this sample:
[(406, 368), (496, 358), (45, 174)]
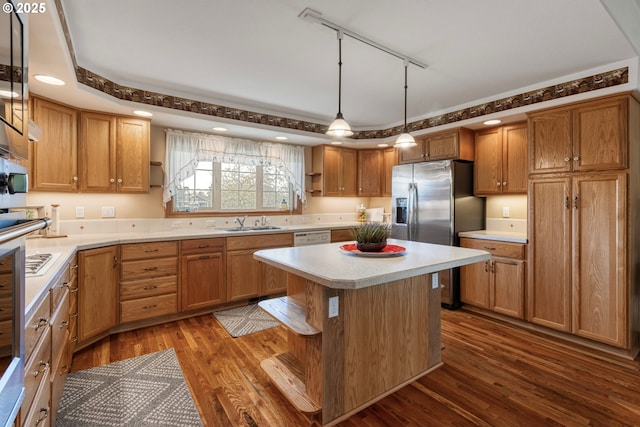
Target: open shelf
[(290, 313), (288, 376)]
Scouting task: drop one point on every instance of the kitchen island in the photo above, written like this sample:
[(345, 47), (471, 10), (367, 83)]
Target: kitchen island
[(359, 328)]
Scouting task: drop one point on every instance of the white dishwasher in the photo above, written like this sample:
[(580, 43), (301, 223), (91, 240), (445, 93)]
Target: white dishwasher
[(307, 238)]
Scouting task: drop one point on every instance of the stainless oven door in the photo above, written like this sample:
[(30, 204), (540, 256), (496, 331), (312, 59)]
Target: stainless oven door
[(12, 306)]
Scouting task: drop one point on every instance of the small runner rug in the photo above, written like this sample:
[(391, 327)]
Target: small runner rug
[(148, 390), (245, 320)]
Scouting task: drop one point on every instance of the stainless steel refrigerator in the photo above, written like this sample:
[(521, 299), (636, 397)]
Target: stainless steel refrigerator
[(432, 202)]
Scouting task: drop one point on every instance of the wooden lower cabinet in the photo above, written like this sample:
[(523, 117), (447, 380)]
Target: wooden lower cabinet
[(248, 278), (202, 280), (97, 291), (578, 230), (497, 284)]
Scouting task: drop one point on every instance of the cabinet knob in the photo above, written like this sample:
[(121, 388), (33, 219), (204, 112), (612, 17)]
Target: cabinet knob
[(119, 180), (498, 183), (112, 180), (566, 159), (75, 179), (504, 183), (576, 158)]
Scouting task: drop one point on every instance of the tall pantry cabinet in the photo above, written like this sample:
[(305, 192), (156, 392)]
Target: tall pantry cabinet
[(584, 191)]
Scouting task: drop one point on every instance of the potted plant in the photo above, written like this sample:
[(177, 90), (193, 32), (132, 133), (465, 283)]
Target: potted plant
[(371, 236)]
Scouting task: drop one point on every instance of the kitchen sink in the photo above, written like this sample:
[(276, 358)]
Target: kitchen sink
[(256, 228)]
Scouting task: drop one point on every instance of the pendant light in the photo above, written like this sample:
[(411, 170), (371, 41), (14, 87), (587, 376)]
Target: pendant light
[(405, 139), (339, 128)]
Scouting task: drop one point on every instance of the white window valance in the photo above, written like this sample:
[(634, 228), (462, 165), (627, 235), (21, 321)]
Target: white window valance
[(185, 149)]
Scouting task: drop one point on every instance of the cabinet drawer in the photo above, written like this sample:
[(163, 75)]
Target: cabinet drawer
[(39, 414), (341, 235), (36, 326), (37, 369), (6, 308), (57, 290), (6, 285), (133, 270), (201, 246), (6, 333), (145, 308), (259, 242), (148, 287), (59, 329), (148, 250), (503, 249)]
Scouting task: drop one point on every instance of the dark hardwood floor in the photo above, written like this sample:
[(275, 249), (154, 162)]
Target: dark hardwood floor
[(493, 375)]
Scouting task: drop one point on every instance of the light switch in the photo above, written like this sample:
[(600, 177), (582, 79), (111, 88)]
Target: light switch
[(108, 212), (79, 211), (333, 306)]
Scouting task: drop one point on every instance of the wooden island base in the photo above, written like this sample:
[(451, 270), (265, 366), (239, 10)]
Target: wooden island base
[(383, 338)]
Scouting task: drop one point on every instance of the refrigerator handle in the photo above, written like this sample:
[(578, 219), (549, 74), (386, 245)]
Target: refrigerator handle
[(411, 211)]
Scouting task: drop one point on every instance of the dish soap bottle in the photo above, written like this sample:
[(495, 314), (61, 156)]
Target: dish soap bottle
[(283, 205), (362, 213)]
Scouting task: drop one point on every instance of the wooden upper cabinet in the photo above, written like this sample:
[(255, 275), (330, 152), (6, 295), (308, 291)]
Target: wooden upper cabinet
[(97, 152), (590, 136), (54, 159), (132, 164), (335, 171), (451, 144), (600, 135), (370, 173), (389, 160), (501, 160)]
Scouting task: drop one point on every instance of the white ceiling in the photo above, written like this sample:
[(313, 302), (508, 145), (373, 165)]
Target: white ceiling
[(258, 55)]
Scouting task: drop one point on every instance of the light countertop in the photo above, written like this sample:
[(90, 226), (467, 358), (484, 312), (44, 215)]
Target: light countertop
[(503, 236), (331, 267), (36, 287)]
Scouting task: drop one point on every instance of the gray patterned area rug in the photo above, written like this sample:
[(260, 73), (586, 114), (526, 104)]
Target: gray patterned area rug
[(148, 390), (245, 320)]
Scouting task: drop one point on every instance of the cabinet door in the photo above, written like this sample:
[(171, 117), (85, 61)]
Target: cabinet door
[(600, 258), (488, 164), (507, 287), (54, 158), (97, 291), (132, 168), (474, 284), (331, 170), (202, 280), (600, 136), (243, 275), (442, 147), (274, 280), (370, 173), (349, 172), (413, 154), (549, 284), (390, 159), (514, 159), (97, 152), (550, 142)]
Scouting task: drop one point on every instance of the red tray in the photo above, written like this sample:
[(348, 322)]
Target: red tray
[(388, 251)]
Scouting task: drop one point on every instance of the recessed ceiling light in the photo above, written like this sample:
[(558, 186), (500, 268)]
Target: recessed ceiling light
[(492, 122), (336, 142), (9, 94), (50, 80), (142, 113), (220, 129), (383, 145), (282, 138)]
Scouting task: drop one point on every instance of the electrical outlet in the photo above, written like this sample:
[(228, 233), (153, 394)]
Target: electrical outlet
[(505, 212), (211, 223), (333, 306), (177, 224), (79, 211), (108, 212), (434, 281)]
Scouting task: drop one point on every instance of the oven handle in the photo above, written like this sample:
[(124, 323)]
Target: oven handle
[(23, 229)]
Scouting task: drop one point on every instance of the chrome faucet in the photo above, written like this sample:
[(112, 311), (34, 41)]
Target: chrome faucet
[(241, 221), (264, 220)]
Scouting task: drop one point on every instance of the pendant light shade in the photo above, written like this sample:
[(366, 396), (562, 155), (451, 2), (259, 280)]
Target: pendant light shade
[(405, 139), (339, 128)]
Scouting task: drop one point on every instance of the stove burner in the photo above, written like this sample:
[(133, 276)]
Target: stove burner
[(38, 264)]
